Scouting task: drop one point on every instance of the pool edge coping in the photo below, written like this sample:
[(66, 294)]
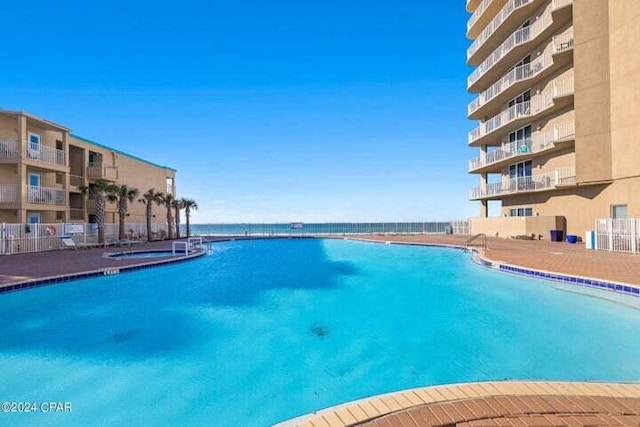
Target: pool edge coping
[(396, 402)]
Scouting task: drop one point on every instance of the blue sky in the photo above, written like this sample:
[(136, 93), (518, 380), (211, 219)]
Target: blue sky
[(270, 111)]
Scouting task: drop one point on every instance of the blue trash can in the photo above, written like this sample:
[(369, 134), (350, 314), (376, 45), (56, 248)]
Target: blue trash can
[(557, 235)]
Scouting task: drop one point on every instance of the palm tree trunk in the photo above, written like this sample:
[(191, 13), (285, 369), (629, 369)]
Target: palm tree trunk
[(121, 226), (187, 214), (177, 218), (100, 217), (149, 221), (169, 223)]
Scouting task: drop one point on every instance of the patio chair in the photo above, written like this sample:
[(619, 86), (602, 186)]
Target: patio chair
[(68, 243)]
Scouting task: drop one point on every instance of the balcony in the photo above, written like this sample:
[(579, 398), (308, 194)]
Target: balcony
[(483, 14), (8, 193), (563, 177), (9, 148), (76, 180), (45, 196), (107, 173), (49, 155), (516, 11), (540, 143), (517, 45), (509, 84), (516, 114), (472, 5)]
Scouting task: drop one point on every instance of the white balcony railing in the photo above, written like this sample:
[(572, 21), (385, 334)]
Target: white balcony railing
[(478, 13), (47, 155), (537, 143), (45, 196), (8, 193), (523, 72), (562, 86), (9, 148), (495, 23), (526, 184), (519, 37)]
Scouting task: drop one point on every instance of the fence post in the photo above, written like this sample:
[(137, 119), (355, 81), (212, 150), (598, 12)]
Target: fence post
[(2, 238), (634, 235), (610, 229)]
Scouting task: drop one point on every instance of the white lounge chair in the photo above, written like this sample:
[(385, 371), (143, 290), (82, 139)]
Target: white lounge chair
[(68, 243)]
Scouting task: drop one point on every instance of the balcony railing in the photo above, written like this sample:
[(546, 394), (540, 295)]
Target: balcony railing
[(478, 13), (76, 180), (45, 196), (47, 155), (536, 144), (523, 72), (526, 184), (562, 86), (519, 37), (9, 148), (495, 23), (109, 173), (8, 193)]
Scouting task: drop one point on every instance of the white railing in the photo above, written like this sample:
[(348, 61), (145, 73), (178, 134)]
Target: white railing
[(24, 238), (517, 74), (495, 23), (557, 4), (619, 235), (525, 184), (47, 155), (8, 193), (45, 195), (9, 147), (519, 37), (478, 12), (562, 86), (563, 42), (535, 144)]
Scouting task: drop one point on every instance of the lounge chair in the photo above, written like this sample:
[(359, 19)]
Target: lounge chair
[(68, 243)]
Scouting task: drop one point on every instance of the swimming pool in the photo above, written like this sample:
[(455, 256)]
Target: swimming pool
[(262, 331)]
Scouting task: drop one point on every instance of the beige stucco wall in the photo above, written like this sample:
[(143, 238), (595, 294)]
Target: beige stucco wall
[(592, 100), (539, 226), (135, 174)]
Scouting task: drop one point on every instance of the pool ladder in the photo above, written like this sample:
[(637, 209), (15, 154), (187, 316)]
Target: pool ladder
[(481, 237)]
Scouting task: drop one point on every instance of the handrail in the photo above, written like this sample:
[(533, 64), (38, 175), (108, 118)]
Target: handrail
[(476, 237)]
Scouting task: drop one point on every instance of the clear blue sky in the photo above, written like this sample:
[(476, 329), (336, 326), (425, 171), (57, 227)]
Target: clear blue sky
[(269, 110)]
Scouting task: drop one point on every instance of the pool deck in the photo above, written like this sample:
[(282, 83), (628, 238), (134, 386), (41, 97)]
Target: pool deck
[(489, 404)]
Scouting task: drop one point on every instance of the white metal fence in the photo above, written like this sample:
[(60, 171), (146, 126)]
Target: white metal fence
[(619, 235), (24, 238), (315, 229)]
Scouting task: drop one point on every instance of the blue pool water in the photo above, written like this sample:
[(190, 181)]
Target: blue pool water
[(261, 331)]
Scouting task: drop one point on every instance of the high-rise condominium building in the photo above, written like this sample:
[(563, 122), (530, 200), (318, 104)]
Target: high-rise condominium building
[(556, 87)]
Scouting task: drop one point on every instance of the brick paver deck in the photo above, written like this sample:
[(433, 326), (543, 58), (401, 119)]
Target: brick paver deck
[(490, 404)]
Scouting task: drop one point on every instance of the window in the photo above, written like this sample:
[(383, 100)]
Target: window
[(618, 211), (523, 97), (169, 185), (521, 212), (521, 140), (520, 170)]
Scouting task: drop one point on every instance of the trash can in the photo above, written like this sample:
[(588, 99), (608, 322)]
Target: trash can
[(557, 235), (590, 240), (572, 238)]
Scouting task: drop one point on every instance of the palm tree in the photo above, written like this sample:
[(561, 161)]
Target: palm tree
[(188, 205), (99, 191), (149, 199), (177, 205), (167, 200), (122, 195)]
